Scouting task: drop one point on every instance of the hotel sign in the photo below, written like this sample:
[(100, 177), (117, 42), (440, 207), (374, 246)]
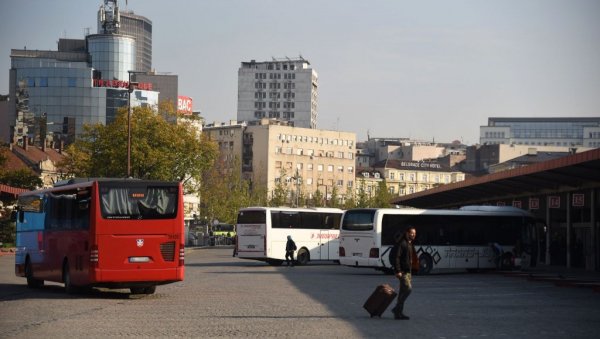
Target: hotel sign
[(146, 86), (420, 164)]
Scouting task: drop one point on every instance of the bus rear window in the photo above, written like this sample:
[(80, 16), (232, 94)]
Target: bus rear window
[(359, 220), (252, 217), (138, 202)]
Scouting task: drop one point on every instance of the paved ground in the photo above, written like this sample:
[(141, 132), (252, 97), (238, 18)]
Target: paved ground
[(229, 297)]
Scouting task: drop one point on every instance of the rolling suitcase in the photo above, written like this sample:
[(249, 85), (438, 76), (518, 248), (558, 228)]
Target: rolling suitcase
[(379, 300)]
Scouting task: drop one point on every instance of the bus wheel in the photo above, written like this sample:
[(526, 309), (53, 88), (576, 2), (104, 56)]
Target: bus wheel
[(31, 281), (425, 263), (274, 262), (149, 290), (69, 288), (303, 257)]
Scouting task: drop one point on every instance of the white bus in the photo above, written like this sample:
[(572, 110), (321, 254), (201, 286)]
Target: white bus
[(446, 239), (262, 233)]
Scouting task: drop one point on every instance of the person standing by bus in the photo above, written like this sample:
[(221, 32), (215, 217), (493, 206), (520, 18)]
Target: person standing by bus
[(402, 268), (290, 247)]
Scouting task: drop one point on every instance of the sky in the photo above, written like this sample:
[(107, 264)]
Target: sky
[(431, 70)]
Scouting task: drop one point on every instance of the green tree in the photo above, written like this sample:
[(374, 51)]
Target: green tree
[(318, 198), (21, 178), (280, 194), (224, 192), (362, 197), (382, 196), (159, 150)]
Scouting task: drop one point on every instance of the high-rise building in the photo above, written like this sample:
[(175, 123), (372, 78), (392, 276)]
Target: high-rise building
[(84, 82), (112, 20), (283, 89), (565, 132)]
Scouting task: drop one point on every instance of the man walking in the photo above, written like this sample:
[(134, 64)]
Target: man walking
[(403, 271), (290, 247)]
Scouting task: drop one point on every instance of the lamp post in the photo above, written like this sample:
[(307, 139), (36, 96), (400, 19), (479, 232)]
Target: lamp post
[(130, 87)]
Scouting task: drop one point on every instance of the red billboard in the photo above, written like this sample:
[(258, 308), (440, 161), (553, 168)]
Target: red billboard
[(184, 105)]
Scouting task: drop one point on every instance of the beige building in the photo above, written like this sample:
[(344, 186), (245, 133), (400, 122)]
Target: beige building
[(304, 160), (407, 177)]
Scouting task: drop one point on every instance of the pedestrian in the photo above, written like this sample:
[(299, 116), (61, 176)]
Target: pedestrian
[(290, 247), (403, 270), (498, 254), (235, 252)]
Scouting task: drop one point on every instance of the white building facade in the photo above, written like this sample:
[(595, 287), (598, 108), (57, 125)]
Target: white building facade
[(283, 89), (563, 132)]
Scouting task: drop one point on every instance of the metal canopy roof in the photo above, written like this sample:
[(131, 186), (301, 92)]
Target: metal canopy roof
[(573, 172)]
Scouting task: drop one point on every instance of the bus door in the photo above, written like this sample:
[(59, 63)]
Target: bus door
[(330, 245), (251, 240)]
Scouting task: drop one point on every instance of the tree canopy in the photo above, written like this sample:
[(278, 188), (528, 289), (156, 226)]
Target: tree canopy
[(159, 150)]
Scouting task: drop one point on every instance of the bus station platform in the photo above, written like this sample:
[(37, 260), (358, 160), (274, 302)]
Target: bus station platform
[(559, 276)]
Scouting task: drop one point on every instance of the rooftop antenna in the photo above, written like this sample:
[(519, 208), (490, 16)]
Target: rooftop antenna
[(110, 17)]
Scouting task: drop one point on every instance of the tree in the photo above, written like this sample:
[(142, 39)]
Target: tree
[(159, 150), (21, 178), (382, 196), (224, 192), (281, 191)]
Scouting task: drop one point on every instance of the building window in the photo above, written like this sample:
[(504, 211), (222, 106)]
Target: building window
[(350, 155), (277, 164), (350, 183), (72, 82), (411, 177), (392, 175), (309, 181), (320, 168), (350, 169), (424, 177), (299, 166), (329, 168), (340, 183), (340, 169), (309, 167)]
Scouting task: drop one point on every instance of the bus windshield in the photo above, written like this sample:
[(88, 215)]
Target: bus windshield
[(358, 220), (138, 202)]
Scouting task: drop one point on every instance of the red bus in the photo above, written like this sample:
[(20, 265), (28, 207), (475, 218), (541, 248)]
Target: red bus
[(114, 233)]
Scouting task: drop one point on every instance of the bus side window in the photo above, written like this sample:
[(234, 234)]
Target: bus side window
[(21, 216)]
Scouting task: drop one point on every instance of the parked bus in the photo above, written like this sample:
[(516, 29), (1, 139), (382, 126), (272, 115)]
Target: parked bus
[(446, 239), (115, 233), (262, 233)]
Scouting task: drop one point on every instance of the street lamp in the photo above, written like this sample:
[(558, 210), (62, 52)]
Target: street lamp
[(130, 87)]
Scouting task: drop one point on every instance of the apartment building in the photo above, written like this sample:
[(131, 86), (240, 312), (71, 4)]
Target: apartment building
[(283, 89), (303, 160)]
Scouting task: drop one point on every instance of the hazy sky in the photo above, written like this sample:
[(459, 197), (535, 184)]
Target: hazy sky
[(426, 69)]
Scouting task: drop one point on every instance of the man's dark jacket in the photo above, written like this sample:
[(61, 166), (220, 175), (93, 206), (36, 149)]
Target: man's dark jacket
[(404, 257)]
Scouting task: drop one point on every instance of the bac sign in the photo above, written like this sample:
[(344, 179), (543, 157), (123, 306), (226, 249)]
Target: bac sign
[(184, 105)]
